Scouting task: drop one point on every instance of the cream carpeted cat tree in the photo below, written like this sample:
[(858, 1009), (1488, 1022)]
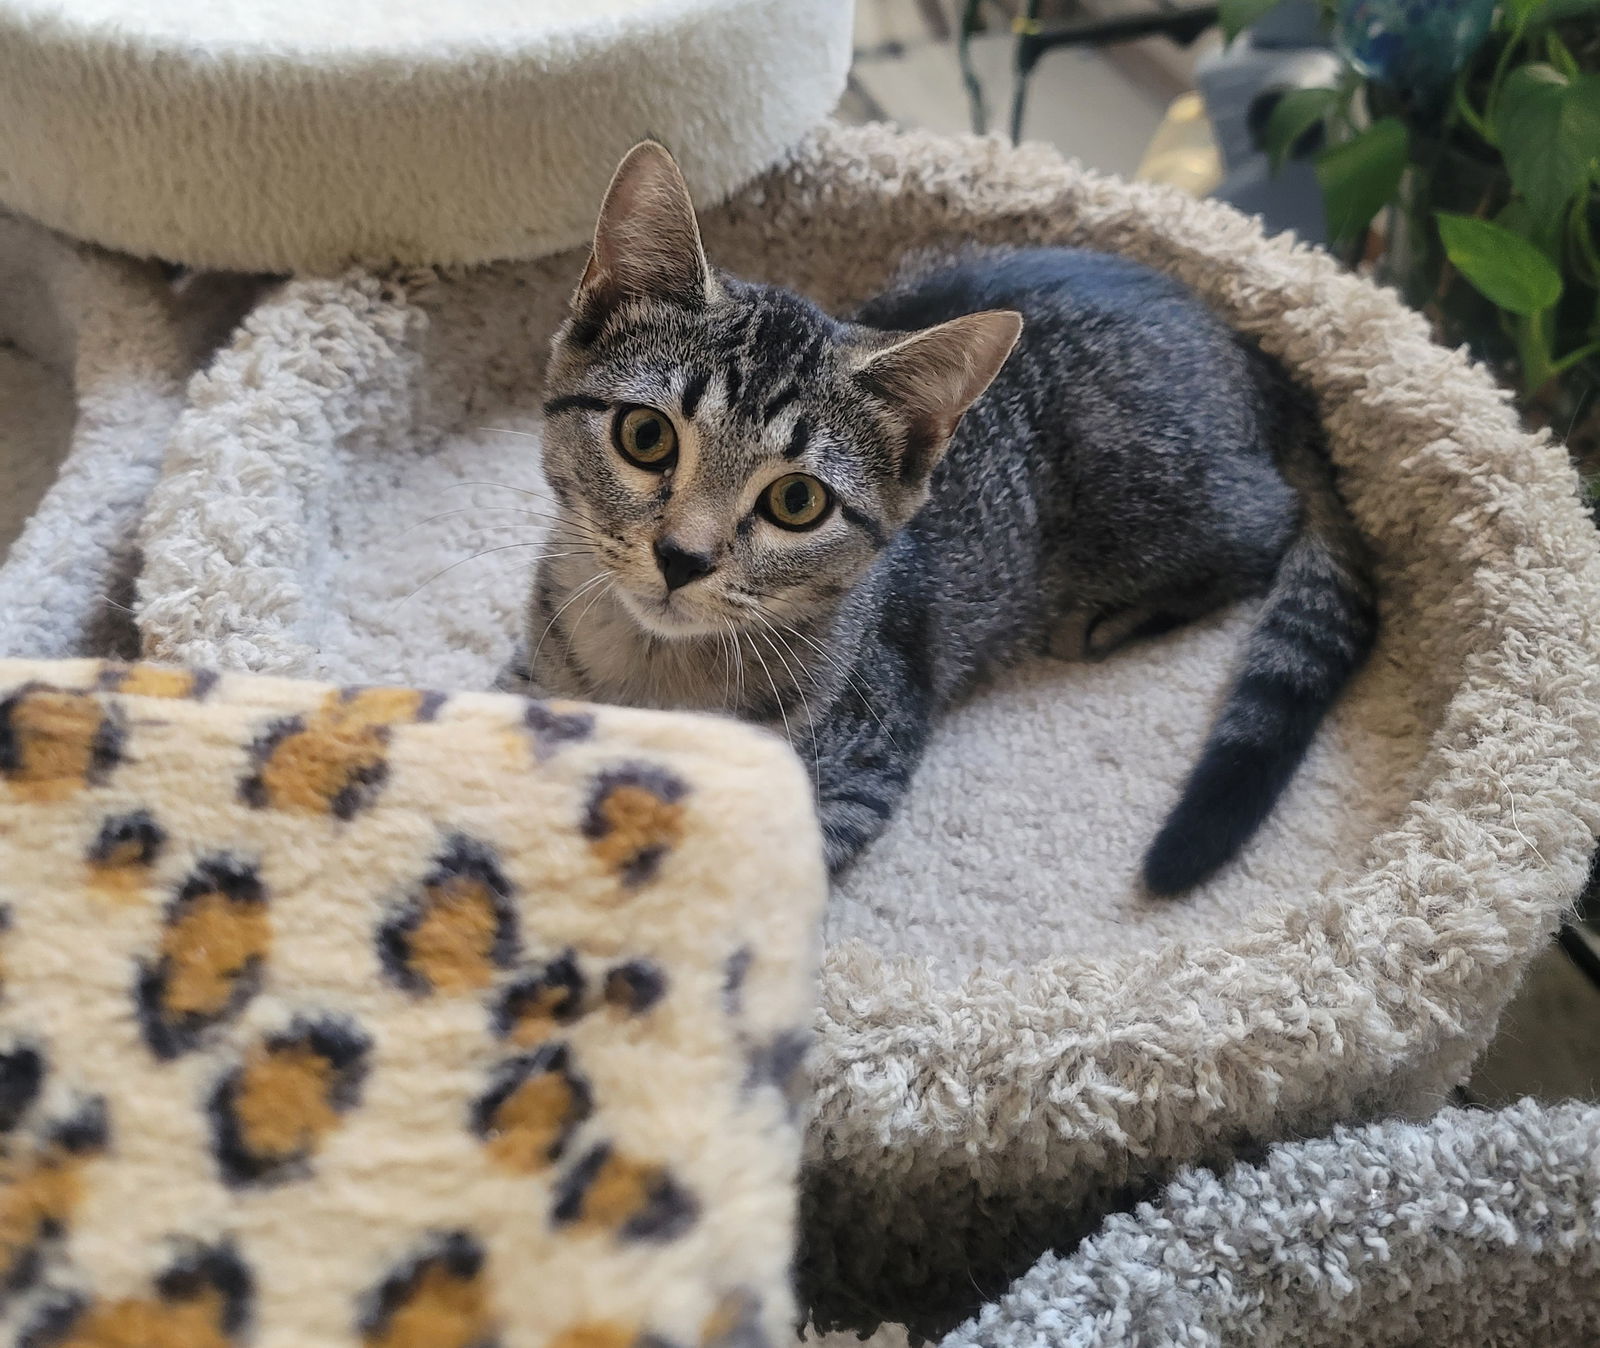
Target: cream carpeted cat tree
[(1012, 1040)]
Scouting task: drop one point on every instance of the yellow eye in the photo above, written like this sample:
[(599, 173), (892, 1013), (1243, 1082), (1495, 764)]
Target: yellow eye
[(796, 501), (646, 438)]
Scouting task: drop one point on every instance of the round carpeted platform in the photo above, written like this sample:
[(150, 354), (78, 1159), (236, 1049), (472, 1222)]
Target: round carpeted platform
[(1470, 1230), (1013, 1040), (297, 135)]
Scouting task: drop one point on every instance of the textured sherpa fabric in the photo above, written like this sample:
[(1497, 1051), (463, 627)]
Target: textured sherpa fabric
[(300, 134), (1475, 1230), (124, 341), (1013, 1039), (371, 1016)]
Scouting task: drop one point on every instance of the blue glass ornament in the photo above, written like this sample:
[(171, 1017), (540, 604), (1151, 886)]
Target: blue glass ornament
[(1415, 46)]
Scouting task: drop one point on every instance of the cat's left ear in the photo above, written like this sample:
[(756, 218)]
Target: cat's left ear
[(933, 376), (647, 241)]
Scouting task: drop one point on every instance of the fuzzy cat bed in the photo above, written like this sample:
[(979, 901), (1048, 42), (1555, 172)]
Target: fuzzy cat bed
[(1473, 1230), (1013, 1039), (97, 351), (377, 1017), (301, 134)]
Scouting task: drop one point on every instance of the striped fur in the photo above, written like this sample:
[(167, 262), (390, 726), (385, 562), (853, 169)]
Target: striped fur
[(1133, 465)]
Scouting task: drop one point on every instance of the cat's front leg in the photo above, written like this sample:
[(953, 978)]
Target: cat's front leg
[(863, 761), (516, 677)]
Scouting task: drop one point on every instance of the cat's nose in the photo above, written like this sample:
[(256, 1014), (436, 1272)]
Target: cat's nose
[(678, 565)]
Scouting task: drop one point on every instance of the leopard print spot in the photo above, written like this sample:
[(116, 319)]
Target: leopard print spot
[(734, 1322), (214, 945), (387, 706), (635, 987), (531, 1110), (54, 742), (536, 1004), (21, 1079), (202, 1301), (616, 1194), (635, 817), (163, 681), (272, 1115), (596, 1334), (440, 1300), (41, 1189), (455, 934), (553, 726), (780, 1063), (123, 853), (734, 972), (336, 760)]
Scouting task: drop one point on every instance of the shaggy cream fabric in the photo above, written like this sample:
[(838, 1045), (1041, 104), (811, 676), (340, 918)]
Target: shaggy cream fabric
[(114, 337), (371, 1016), (1474, 1230), (301, 134), (1013, 1039)]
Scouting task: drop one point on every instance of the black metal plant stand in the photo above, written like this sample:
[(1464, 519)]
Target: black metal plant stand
[(1182, 23)]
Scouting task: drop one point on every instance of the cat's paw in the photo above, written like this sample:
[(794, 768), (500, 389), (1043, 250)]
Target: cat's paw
[(1070, 639), (515, 676)]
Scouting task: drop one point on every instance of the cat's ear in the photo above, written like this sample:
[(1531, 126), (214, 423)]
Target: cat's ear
[(647, 243), (933, 376)]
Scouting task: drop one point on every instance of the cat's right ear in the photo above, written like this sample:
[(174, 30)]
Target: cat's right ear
[(931, 378), (647, 242)]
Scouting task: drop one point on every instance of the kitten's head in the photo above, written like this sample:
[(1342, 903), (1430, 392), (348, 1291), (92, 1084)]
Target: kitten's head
[(738, 454)]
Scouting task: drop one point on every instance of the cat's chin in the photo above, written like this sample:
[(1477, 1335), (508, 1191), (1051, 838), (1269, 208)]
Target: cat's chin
[(664, 620)]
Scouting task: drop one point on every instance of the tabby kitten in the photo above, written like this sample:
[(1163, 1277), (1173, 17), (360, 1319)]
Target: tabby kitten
[(839, 527)]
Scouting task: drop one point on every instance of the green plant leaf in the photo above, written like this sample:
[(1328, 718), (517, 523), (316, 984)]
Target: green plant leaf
[(1560, 54), (1542, 231), (1296, 113), (1548, 128), (1237, 15), (1361, 176), (1521, 11), (1504, 267)]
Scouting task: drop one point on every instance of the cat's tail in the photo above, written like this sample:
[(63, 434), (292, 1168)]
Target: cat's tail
[(1314, 630)]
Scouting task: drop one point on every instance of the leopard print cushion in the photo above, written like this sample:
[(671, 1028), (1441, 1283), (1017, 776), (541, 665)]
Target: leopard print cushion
[(373, 1016)]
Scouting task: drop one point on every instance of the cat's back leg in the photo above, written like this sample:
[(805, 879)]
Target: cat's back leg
[(1093, 633)]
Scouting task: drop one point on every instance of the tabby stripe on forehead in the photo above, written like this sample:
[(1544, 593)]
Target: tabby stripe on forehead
[(869, 526), (735, 383), (693, 391), (575, 402), (799, 438), (809, 360), (779, 400)]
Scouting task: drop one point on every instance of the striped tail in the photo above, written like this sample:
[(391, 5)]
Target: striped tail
[(1312, 634)]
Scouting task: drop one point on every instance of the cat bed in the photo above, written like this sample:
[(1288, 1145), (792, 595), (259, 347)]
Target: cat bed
[(301, 134), (97, 349), (381, 1018), (1013, 1040), (1471, 1230)]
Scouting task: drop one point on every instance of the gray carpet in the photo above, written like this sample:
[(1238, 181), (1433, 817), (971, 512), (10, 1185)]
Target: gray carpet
[(1476, 1228)]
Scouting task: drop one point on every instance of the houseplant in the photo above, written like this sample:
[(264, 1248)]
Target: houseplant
[(1459, 156)]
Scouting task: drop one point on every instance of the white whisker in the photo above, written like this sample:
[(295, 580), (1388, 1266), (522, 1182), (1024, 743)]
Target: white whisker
[(571, 599), (845, 673), (462, 561), (537, 495), (773, 684), (799, 687)]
